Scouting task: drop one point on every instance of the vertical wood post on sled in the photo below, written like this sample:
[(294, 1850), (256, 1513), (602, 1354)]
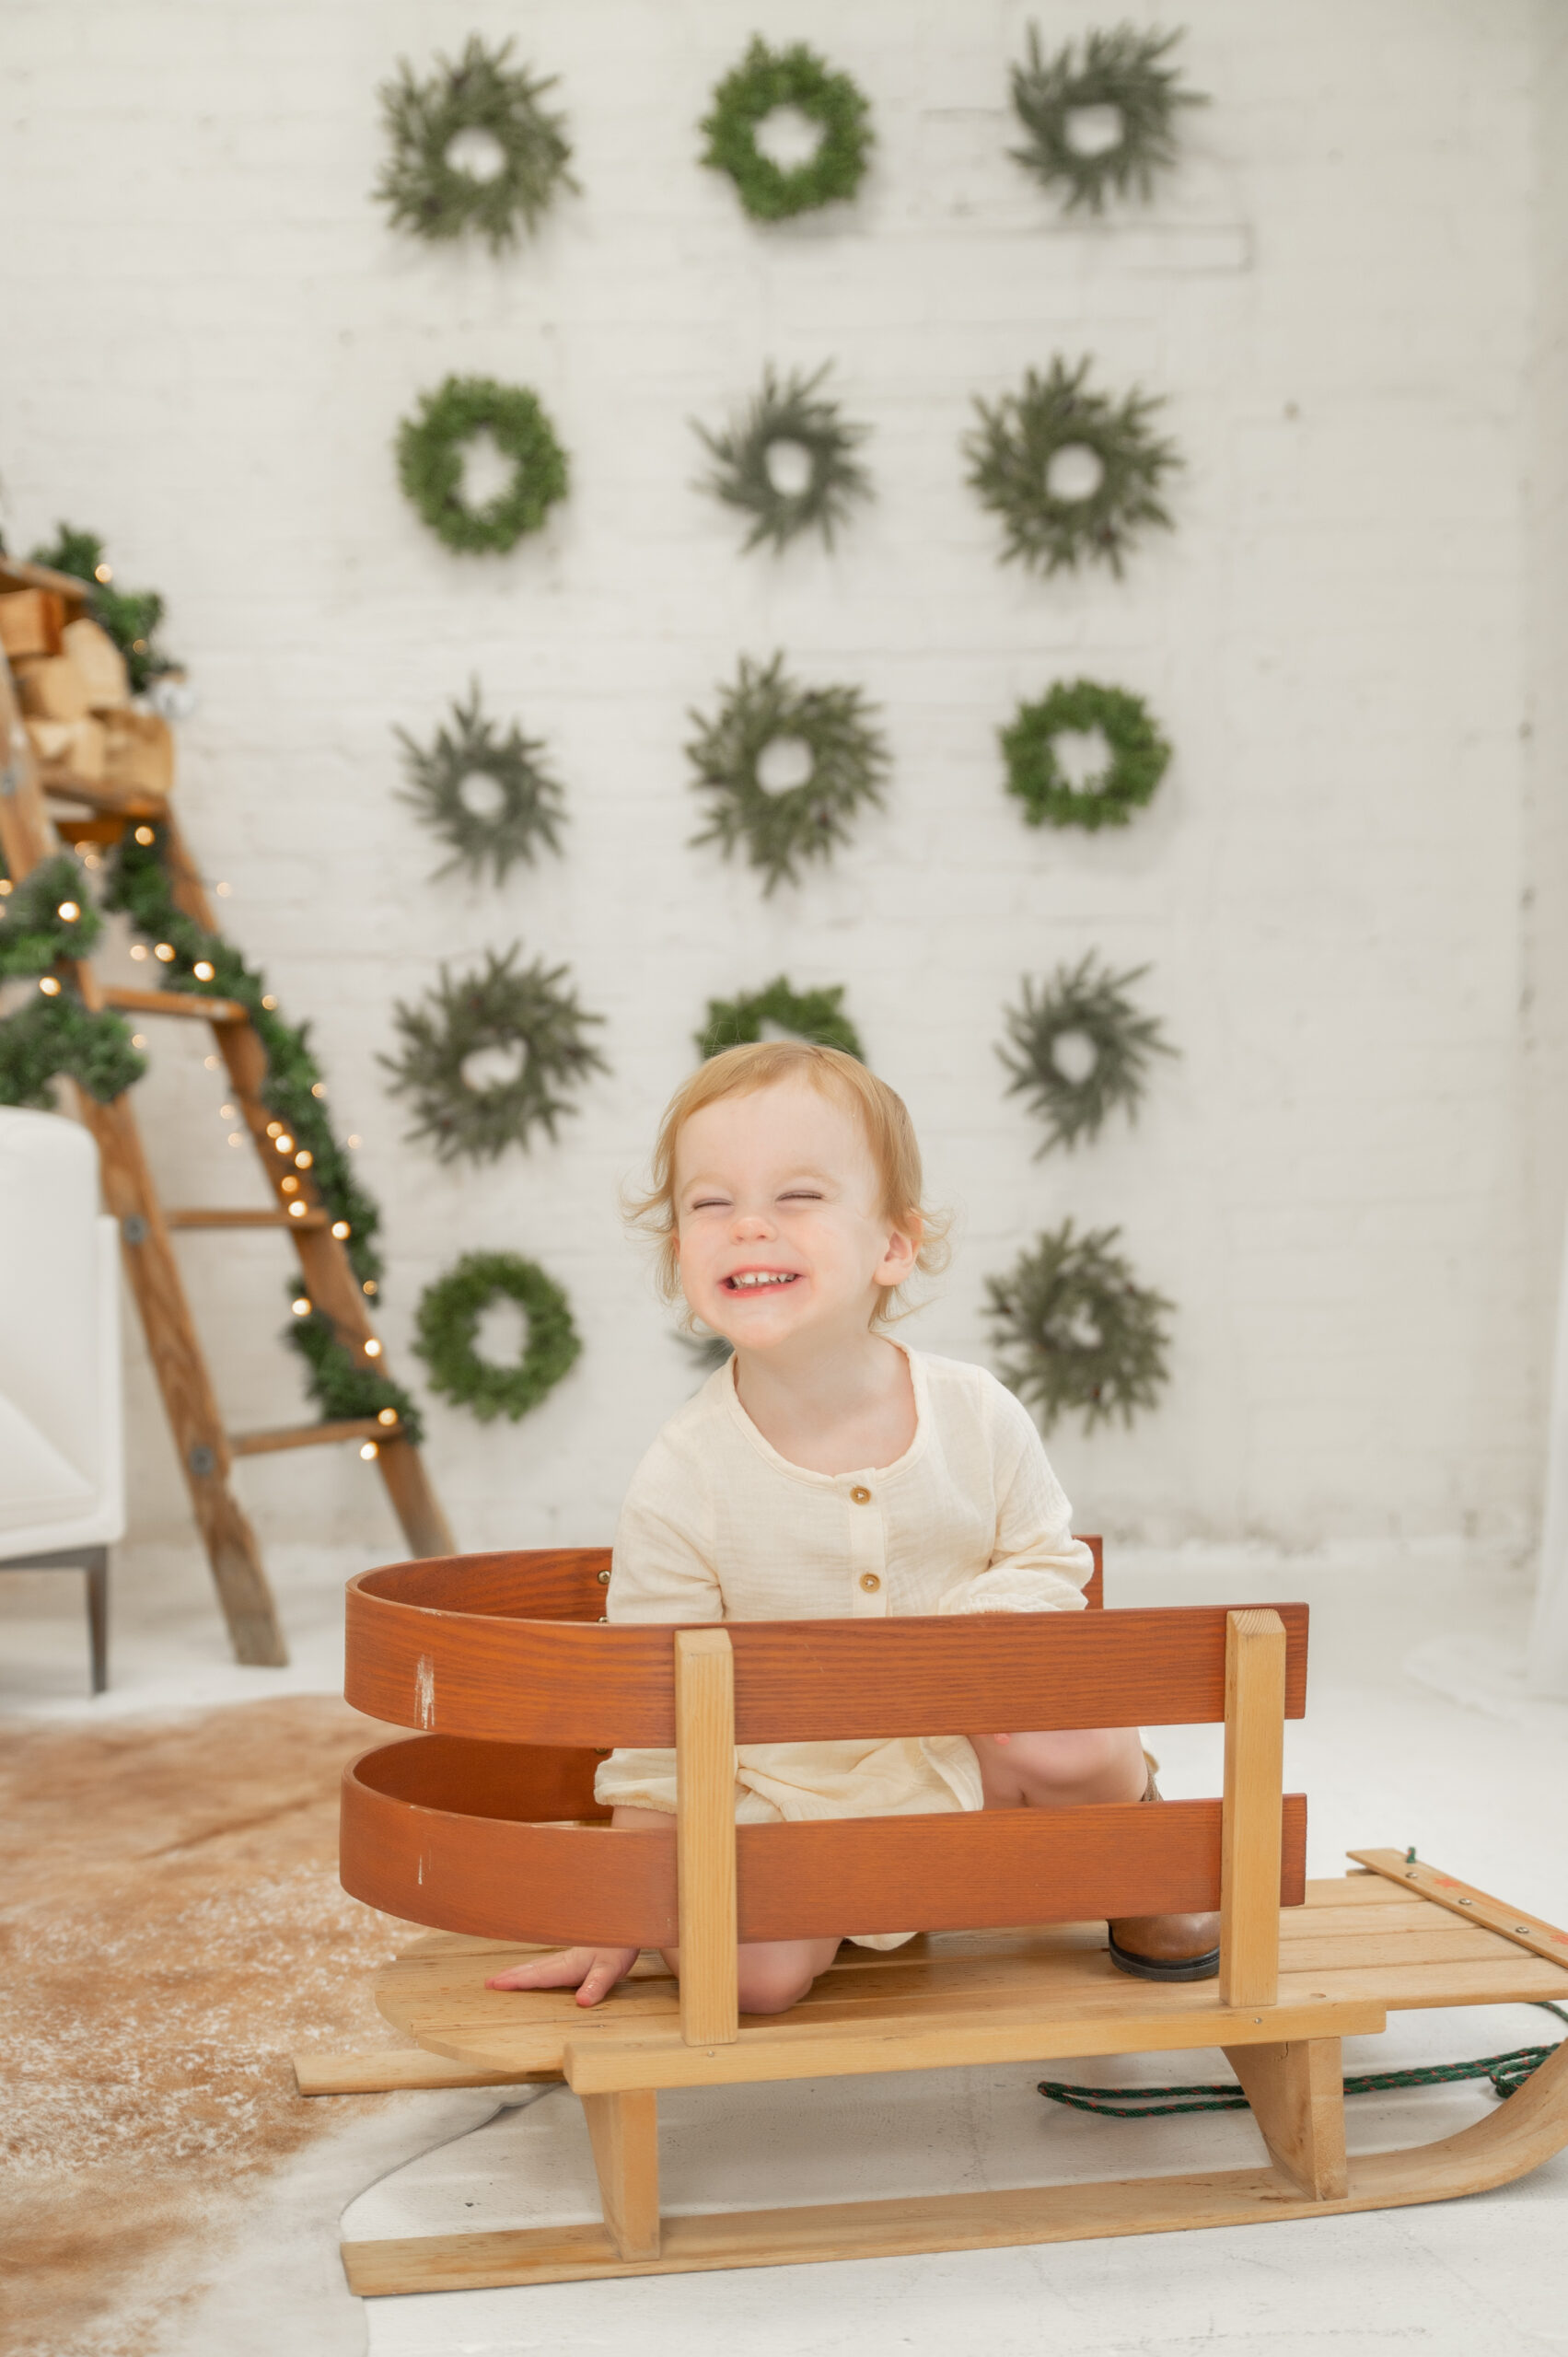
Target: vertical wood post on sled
[(1250, 1839), (705, 1836)]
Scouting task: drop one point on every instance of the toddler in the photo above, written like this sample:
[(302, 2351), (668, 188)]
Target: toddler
[(828, 1471)]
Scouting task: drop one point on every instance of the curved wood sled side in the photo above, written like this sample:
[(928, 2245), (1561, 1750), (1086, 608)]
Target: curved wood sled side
[(1517, 2137)]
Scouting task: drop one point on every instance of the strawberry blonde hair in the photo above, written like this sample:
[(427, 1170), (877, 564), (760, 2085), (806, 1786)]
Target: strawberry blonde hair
[(765, 1063)]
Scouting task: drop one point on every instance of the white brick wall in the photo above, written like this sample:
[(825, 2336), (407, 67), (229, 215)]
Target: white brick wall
[(211, 338)]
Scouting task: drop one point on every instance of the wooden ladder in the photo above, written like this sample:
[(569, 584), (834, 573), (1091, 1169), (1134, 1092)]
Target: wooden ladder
[(28, 834)]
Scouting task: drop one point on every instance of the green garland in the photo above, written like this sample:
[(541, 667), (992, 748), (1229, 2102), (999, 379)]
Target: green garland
[(340, 1384), (1081, 1333), (532, 806), (492, 1007), (816, 1016), (34, 930), (130, 616), (1119, 69), (1020, 434), (1090, 1002), (1139, 756), (139, 886), (430, 464), (436, 199), (849, 761), (49, 1037), (794, 77), (447, 1322), (789, 412)]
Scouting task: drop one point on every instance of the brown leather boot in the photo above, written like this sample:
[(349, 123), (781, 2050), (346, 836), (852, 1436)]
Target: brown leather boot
[(1165, 1947)]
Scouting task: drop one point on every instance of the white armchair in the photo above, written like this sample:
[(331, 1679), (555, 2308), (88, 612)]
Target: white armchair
[(62, 1440)]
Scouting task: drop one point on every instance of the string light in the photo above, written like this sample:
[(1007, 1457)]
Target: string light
[(301, 1307), (202, 972), (163, 951), (68, 911), (144, 835), (340, 1229), (138, 1039), (49, 986), (386, 1415), (274, 1129), (223, 890), (138, 951), (104, 573), (291, 1187), (296, 1211), (212, 1065), (369, 1450), (5, 885), (368, 1286), (234, 1138), (318, 1089), (283, 1143), (303, 1161), (229, 1113), (269, 1003), (372, 1348), (354, 1141)]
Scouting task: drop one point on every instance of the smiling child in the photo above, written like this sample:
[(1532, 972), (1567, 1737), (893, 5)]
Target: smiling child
[(828, 1471)]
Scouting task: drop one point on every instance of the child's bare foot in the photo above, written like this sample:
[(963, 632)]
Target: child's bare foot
[(592, 1972)]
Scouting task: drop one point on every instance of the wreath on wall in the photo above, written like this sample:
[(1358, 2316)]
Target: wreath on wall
[(527, 1013), (816, 1016), (446, 1325), (791, 414), (1139, 756), (794, 77), (1079, 1332), (1084, 1003), (426, 192), (1119, 74), (780, 827), (531, 808), (430, 462), (1023, 438)]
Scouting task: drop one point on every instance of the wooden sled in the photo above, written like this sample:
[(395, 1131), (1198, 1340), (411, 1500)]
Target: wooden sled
[(486, 1825)]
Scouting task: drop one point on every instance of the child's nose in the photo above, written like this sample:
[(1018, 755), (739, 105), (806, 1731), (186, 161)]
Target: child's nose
[(749, 1225)]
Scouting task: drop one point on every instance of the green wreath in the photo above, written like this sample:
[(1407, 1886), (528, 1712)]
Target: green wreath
[(1018, 438), (1120, 71), (434, 198), (492, 1007), (1139, 756), (448, 1321), (532, 804), (790, 413), (35, 928), (1081, 1333), (816, 1016), (788, 77), (1089, 1002), (430, 463), (849, 762)]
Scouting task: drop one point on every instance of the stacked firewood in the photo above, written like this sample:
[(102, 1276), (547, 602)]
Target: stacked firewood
[(75, 699)]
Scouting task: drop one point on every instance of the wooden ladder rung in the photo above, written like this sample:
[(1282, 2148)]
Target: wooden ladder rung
[(91, 830), (205, 1010), (127, 801), (306, 1216), (311, 1435)]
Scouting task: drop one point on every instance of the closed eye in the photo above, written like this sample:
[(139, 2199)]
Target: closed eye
[(802, 1195), (710, 1203)]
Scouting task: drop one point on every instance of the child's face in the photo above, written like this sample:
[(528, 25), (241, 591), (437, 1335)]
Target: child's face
[(780, 1234)]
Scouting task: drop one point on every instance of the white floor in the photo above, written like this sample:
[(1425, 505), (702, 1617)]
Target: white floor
[(1419, 1731)]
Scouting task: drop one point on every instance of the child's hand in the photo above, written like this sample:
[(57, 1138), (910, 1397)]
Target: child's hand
[(592, 1972)]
